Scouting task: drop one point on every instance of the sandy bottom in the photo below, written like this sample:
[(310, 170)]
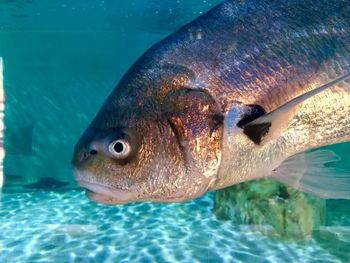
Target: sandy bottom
[(66, 227)]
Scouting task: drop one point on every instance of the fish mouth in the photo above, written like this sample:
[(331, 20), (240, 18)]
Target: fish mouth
[(105, 194)]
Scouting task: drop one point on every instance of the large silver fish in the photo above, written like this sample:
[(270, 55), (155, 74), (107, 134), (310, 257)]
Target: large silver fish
[(243, 92)]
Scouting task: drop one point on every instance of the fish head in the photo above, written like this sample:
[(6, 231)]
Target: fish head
[(156, 144)]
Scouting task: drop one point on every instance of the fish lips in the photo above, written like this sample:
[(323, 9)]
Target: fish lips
[(104, 194)]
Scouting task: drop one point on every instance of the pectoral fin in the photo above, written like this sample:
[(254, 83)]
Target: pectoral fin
[(276, 121), (308, 172)]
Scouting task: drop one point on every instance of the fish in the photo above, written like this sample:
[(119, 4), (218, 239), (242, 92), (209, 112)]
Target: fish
[(251, 89), (47, 183)]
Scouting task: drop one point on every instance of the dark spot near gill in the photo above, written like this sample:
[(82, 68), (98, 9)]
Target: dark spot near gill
[(255, 111), (255, 132)]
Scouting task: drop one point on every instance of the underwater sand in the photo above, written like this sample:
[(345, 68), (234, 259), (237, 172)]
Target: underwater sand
[(42, 226)]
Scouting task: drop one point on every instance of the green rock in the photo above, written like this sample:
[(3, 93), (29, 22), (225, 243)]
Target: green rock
[(271, 208)]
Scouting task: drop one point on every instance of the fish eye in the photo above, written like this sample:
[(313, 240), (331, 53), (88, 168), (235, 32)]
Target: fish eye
[(119, 148)]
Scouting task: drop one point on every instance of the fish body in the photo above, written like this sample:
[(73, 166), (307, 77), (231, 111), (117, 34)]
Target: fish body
[(181, 121)]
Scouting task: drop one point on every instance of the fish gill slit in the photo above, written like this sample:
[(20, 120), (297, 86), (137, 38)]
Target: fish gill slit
[(178, 139)]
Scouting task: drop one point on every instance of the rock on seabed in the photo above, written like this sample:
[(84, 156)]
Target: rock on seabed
[(266, 204)]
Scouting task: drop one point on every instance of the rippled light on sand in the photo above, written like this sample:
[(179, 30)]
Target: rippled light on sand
[(43, 226)]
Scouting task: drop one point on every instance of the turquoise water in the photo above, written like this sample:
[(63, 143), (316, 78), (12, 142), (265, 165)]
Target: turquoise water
[(62, 59)]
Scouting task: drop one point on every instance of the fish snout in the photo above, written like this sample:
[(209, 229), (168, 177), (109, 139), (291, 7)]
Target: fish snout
[(84, 149), (81, 157)]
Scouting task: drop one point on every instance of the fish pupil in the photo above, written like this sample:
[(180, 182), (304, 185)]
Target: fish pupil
[(118, 147)]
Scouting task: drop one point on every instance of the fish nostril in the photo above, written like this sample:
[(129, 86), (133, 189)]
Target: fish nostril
[(93, 152), (85, 156)]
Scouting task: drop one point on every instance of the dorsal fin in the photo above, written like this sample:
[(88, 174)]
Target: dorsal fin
[(257, 129)]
